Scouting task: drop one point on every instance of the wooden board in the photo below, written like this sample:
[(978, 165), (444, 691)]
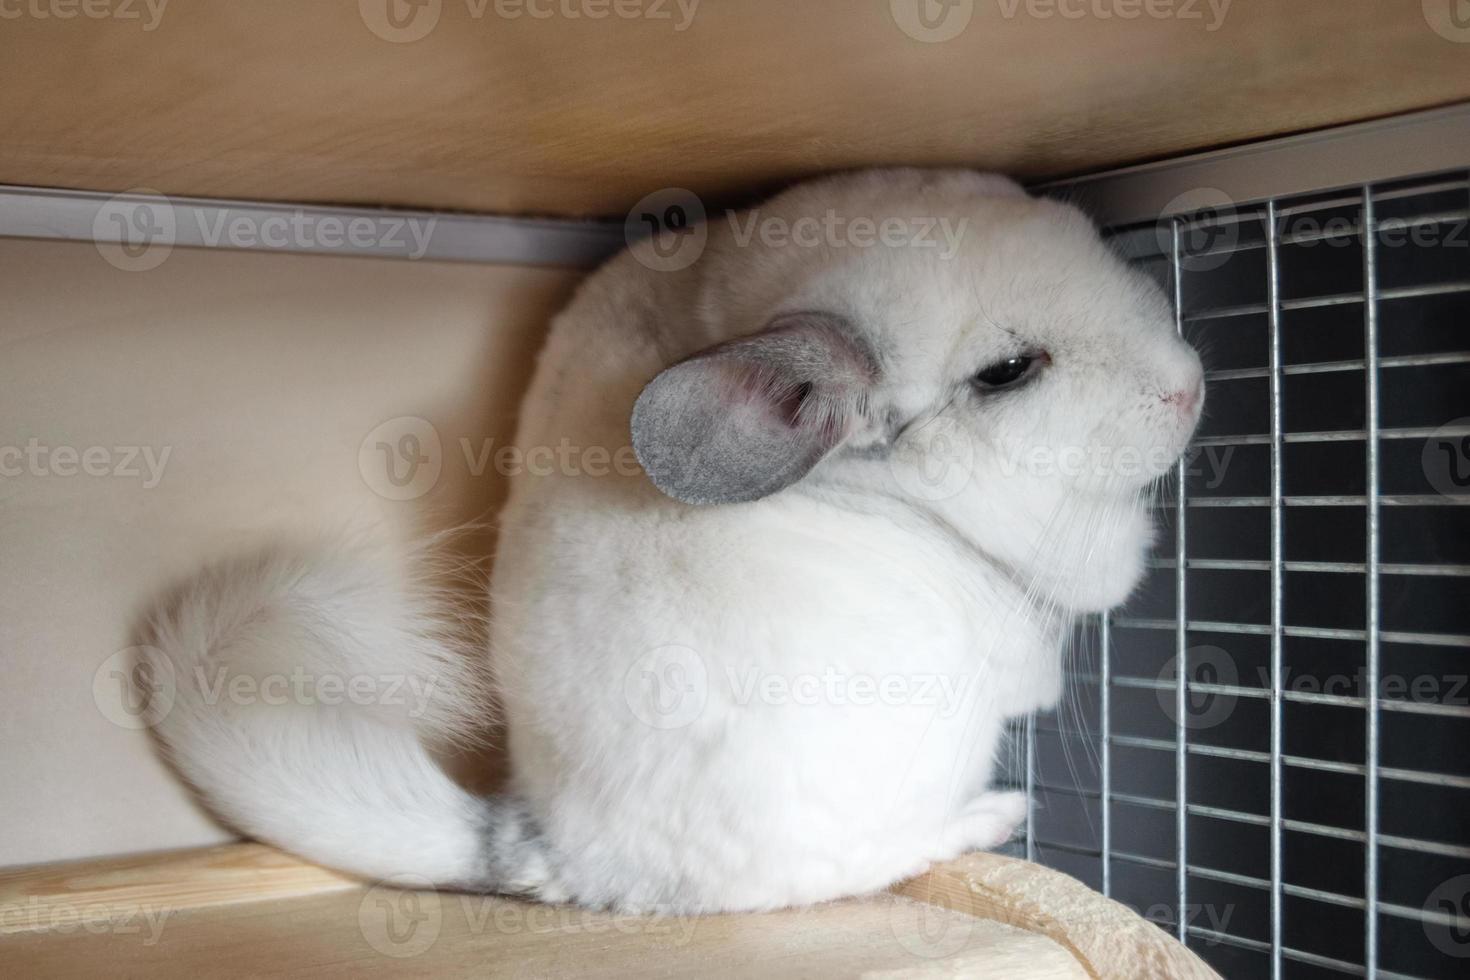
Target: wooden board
[(247, 909), (494, 109)]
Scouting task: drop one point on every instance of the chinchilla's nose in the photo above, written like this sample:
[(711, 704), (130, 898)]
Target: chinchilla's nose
[(1189, 397)]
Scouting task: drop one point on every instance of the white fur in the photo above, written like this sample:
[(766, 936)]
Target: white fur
[(285, 758), (607, 593)]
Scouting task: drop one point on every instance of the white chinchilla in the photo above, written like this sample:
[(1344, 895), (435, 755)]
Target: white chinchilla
[(768, 663)]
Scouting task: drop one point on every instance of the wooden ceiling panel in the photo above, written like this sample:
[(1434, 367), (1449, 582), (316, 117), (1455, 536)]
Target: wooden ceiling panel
[(580, 107)]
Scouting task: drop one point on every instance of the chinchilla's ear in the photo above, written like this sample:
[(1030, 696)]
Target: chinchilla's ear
[(744, 419)]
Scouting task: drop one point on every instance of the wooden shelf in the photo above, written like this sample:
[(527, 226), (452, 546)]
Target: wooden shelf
[(283, 100), (245, 909)]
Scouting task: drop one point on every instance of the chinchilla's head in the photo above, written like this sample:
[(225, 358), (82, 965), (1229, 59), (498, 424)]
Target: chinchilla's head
[(936, 337)]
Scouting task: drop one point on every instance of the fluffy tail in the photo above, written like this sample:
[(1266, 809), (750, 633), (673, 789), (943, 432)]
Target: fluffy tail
[(302, 685)]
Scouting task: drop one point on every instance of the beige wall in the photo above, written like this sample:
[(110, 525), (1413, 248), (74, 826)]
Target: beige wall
[(259, 375)]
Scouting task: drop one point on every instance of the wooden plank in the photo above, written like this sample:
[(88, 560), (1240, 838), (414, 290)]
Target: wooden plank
[(495, 109), (1108, 938), (247, 910), (414, 934), (145, 887)]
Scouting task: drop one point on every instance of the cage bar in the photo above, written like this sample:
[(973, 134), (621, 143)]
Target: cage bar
[(1105, 765), (1278, 587), (1372, 652), (1030, 760), (1181, 641), (1242, 569)]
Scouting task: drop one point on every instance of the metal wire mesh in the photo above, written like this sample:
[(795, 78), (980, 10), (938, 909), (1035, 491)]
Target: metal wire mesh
[(1265, 751)]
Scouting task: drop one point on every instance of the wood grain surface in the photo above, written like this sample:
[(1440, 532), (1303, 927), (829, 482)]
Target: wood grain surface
[(580, 107), (247, 910)]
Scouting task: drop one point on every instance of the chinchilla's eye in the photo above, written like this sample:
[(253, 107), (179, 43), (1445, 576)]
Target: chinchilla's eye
[(1009, 372)]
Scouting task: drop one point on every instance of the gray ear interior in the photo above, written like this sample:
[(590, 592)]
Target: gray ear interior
[(745, 419)]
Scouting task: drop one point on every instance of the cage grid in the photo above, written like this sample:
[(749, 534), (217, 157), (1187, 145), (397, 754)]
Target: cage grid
[(1307, 819)]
